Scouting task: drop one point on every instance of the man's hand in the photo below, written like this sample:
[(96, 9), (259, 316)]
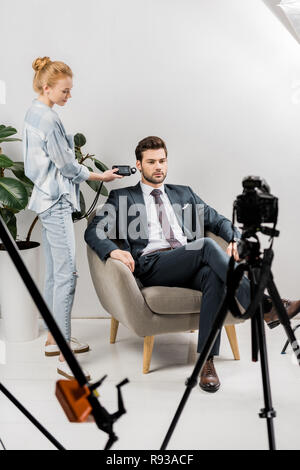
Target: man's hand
[(232, 247), (123, 256)]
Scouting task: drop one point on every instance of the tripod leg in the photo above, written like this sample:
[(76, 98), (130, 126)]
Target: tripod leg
[(254, 339), (31, 418), (254, 279), (268, 412), (192, 381), (287, 343), (2, 445), (233, 279), (283, 317)]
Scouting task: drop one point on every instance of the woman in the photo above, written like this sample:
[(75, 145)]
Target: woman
[(50, 163)]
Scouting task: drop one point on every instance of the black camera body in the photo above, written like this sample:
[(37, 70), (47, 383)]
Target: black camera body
[(256, 205), (124, 170)]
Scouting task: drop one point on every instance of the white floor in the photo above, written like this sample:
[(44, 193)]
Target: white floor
[(225, 420)]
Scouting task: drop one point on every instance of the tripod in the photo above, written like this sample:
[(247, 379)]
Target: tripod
[(261, 278), (77, 397)]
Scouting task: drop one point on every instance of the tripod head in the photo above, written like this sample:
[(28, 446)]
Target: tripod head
[(254, 207)]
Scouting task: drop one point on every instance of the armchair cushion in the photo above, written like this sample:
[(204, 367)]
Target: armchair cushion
[(172, 300)]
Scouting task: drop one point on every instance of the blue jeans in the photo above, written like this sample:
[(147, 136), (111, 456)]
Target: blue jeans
[(61, 275)]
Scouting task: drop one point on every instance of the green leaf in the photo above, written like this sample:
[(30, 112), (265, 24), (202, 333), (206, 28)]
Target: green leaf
[(79, 140), (29, 189), (96, 184), (7, 131), (13, 193), (100, 165), (10, 140), (10, 220), (104, 191), (93, 184), (18, 171), (5, 162)]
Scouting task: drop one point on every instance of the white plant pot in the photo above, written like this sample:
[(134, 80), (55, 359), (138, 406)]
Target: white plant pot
[(18, 311)]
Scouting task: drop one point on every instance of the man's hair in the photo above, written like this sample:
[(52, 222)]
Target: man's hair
[(149, 143)]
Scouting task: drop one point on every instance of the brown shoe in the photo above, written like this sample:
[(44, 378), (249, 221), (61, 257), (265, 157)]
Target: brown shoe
[(292, 308), (209, 381)]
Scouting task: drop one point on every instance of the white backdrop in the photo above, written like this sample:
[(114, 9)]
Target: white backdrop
[(219, 81)]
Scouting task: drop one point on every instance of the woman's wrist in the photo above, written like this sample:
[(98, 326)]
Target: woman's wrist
[(95, 176)]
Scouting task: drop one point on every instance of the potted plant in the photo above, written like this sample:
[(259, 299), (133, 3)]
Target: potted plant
[(14, 192), (17, 308), (79, 142)]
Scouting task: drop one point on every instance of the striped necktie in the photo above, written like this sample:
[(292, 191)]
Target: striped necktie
[(163, 219)]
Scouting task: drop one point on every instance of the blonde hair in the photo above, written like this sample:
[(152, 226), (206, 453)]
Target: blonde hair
[(48, 72)]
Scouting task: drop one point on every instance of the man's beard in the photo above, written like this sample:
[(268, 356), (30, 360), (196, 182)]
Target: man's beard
[(154, 180)]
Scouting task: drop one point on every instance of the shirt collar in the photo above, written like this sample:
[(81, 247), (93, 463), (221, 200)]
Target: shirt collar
[(37, 102), (146, 188)]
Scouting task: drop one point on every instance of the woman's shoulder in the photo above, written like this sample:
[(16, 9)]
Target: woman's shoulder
[(41, 117)]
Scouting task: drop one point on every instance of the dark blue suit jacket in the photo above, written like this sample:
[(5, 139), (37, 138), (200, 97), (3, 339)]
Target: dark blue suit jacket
[(193, 215)]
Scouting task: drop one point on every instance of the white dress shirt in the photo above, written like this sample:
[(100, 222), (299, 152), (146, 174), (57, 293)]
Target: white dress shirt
[(157, 239)]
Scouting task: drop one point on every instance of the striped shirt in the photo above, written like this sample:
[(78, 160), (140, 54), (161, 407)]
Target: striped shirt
[(49, 159)]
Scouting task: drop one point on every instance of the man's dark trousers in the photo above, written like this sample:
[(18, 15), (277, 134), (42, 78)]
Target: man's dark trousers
[(200, 265)]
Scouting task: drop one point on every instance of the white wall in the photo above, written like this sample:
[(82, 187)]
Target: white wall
[(219, 81)]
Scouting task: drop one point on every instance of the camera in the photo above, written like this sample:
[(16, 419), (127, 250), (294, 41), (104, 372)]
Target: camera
[(256, 205), (124, 170)]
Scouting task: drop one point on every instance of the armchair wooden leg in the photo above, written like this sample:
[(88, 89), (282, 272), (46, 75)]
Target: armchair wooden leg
[(148, 347), (231, 333), (114, 324)]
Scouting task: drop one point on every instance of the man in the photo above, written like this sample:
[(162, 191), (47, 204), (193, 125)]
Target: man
[(162, 228)]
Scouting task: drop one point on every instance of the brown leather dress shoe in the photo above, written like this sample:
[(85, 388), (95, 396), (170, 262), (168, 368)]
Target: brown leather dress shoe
[(292, 308), (209, 380)]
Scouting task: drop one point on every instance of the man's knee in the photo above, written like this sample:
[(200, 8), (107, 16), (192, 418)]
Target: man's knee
[(210, 277), (206, 278), (205, 273), (210, 244)]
